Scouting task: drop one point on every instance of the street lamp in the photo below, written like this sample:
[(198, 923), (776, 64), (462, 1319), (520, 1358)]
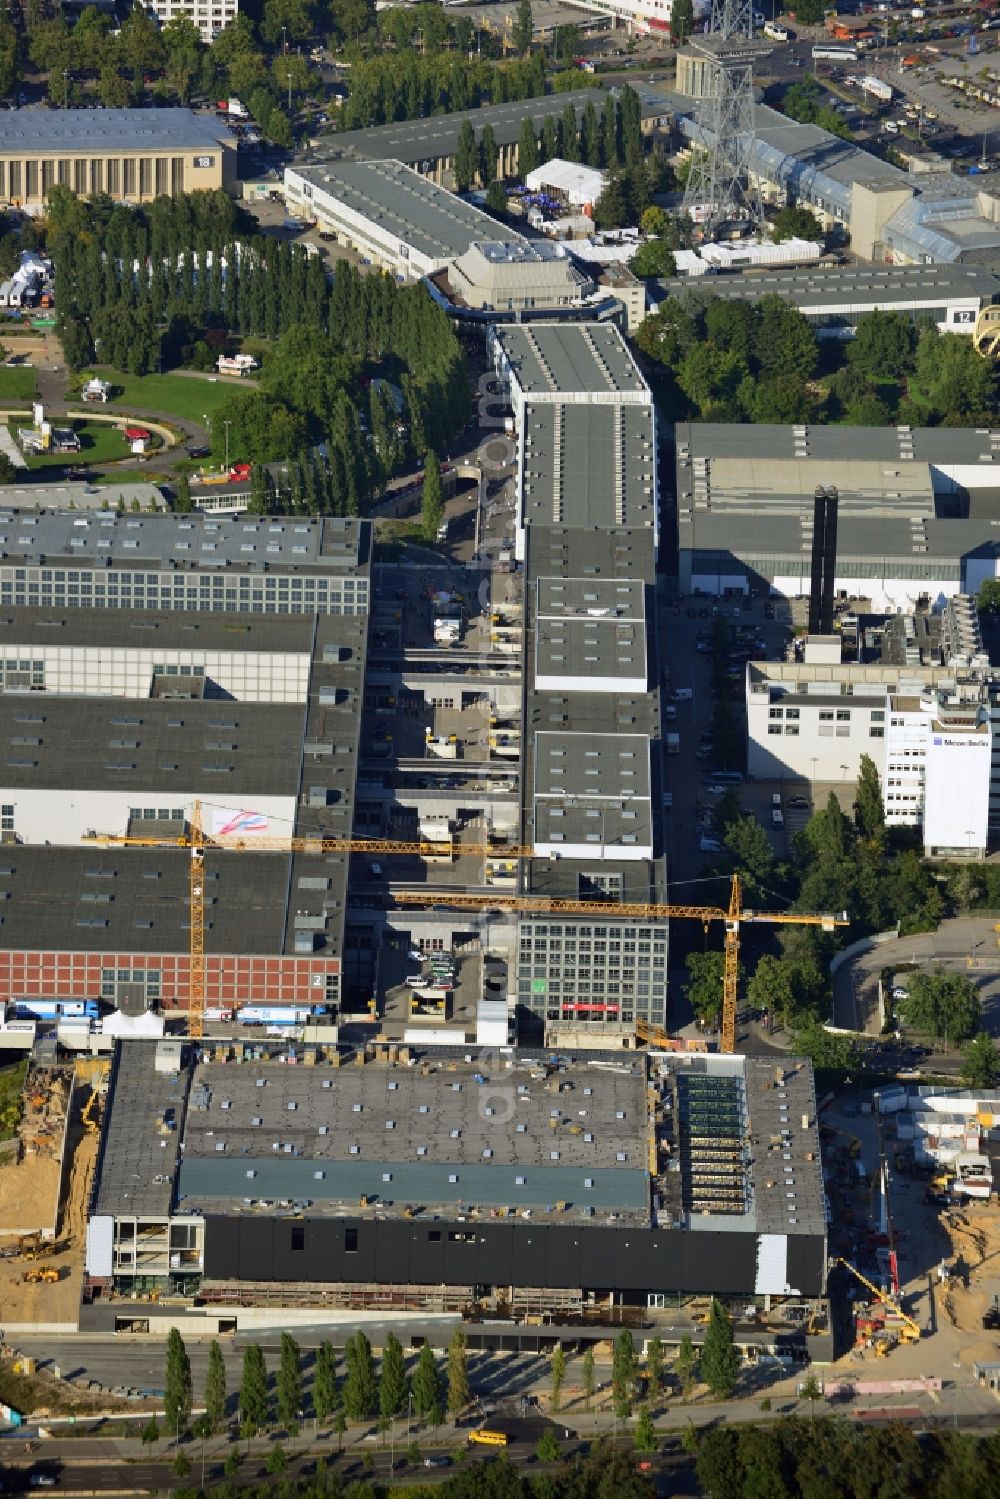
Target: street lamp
[(227, 426), (289, 77)]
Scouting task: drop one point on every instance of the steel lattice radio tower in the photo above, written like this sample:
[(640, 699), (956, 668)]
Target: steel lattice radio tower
[(719, 185)]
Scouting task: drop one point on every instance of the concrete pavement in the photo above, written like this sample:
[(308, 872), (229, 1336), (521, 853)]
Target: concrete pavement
[(967, 944)]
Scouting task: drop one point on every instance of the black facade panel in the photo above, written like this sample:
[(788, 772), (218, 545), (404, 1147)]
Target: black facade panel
[(624, 1259), (498, 1263), (807, 1264)]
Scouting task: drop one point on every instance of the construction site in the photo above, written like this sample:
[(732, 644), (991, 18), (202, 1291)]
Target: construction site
[(45, 1183)]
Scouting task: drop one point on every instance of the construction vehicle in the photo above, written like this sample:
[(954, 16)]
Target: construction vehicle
[(905, 1328), (30, 1246), (196, 842), (991, 1316), (89, 1123), (40, 1274)]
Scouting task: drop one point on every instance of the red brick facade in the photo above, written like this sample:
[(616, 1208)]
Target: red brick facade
[(228, 979)]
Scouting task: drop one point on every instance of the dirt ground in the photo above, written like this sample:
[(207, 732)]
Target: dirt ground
[(28, 1194), (50, 1302)]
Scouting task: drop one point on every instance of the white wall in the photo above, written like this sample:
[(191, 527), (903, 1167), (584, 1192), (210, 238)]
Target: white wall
[(810, 754), (91, 671), (956, 790), (64, 816)]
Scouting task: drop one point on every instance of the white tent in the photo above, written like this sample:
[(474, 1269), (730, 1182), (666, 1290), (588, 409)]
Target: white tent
[(577, 184)]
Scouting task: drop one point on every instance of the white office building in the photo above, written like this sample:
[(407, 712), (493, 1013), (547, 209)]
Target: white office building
[(209, 16), (929, 729)]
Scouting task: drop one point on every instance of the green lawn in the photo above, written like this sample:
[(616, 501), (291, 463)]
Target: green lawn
[(99, 443), (174, 395), (16, 383)]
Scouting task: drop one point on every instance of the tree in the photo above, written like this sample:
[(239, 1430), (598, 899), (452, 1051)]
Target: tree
[(558, 1374), (289, 1381), (215, 1387), (869, 810), (414, 1456), (340, 1426), (988, 598), (720, 1358), (523, 28), (548, 1450), (942, 1004), (527, 148), (392, 1378), (654, 1366), (231, 1466), (254, 1402), (784, 341), (488, 155), (795, 222), (457, 1373), (882, 345), (587, 1374), (466, 157), (360, 1385), (624, 1368), (981, 1062), (496, 198), (653, 258), (150, 1433), (644, 1438), (686, 1365), (826, 1051), (182, 1465), (177, 1398), (276, 1461), (704, 987), (810, 1390), (325, 1392), (611, 208), (432, 502), (8, 473), (681, 21), (952, 385), (426, 1384)]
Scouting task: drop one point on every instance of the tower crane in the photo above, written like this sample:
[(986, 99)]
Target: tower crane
[(732, 916), (196, 842)]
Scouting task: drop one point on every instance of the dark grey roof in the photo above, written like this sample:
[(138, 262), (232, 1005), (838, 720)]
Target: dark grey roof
[(979, 446), (99, 744), (592, 789), (404, 205), (120, 130), (589, 465), (147, 629), (607, 553), (138, 1159), (418, 141), (277, 544), (96, 899), (814, 290), (549, 360), (595, 630)]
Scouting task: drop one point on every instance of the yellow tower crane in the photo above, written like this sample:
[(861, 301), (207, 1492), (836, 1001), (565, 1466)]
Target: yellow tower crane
[(909, 1330), (732, 917), (195, 841)]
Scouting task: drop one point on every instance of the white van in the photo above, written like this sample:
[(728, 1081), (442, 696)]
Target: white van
[(5, 294), (777, 817), (776, 800)]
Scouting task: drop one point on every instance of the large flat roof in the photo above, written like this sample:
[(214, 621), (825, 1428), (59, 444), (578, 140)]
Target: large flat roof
[(102, 744), (410, 208), (592, 791), (814, 289), (550, 360), (610, 553), (159, 629), (595, 630), (423, 141), (589, 466), (980, 445), (244, 543), (38, 492), (119, 130), (138, 1159), (445, 1135)]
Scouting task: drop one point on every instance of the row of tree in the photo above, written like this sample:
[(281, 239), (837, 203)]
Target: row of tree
[(366, 370), (406, 86), (836, 1459)]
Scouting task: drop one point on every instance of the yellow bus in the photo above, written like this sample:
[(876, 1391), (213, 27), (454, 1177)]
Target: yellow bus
[(484, 1438)]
